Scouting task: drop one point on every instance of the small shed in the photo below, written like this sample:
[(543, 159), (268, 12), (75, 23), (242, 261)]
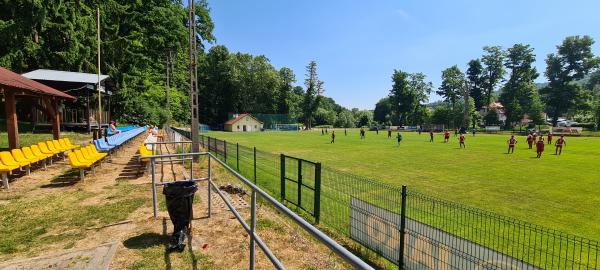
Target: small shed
[(13, 85), (244, 122)]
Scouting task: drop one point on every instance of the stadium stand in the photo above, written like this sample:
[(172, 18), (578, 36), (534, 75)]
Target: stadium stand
[(80, 157)]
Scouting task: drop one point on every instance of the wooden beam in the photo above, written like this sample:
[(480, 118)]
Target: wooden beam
[(51, 106), (56, 120), (12, 126)]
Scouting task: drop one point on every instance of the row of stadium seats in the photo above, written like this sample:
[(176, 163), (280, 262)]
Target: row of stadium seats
[(122, 129), (115, 141), (43, 153), (27, 156), (85, 158)]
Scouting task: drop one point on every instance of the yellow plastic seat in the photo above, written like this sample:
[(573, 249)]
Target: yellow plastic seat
[(92, 149), (88, 155), (20, 157), (38, 152), (77, 163), (8, 168), (58, 146), (82, 158), (28, 153), (9, 160), (68, 142), (144, 152), (63, 144), (48, 147)]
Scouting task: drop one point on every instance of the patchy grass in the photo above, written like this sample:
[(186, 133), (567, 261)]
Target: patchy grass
[(59, 218), (151, 248), (26, 139)]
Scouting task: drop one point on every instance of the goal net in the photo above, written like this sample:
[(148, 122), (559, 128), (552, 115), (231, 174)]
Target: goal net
[(285, 127)]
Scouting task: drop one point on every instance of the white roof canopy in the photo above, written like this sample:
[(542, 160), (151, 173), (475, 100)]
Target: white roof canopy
[(64, 76)]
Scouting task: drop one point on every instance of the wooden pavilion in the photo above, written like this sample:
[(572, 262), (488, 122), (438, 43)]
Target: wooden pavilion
[(13, 85)]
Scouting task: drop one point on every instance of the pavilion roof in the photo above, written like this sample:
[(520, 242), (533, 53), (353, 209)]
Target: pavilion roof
[(15, 81)]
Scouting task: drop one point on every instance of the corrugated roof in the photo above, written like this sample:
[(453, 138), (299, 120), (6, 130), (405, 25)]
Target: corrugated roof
[(239, 117), (14, 80), (64, 76)]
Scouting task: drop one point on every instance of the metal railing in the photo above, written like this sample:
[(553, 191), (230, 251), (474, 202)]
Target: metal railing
[(255, 239), (436, 233)]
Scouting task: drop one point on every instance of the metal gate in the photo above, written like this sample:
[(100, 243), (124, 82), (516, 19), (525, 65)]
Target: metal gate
[(301, 184)]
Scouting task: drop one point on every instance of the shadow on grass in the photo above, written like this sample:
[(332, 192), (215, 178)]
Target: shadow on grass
[(146, 240), (132, 170), (69, 178)]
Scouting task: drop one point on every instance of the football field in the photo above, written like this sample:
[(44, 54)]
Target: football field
[(558, 192)]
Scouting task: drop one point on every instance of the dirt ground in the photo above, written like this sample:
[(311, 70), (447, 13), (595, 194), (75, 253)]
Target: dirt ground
[(218, 242)]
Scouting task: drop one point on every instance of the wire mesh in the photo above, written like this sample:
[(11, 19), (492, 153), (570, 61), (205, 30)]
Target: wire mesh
[(439, 234)]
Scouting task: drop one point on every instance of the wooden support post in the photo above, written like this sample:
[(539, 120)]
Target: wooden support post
[(56, 120), (51, 106), (12, 125)]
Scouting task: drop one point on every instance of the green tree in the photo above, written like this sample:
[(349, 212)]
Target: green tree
[(345, 119), (408, 93), (453, 87), (493, 59), (363, 118), (476, 83), (520, 95), (442, 115), (135, 35), (572, 62), (383, 110), (287, 79), (453, 81), (313, 95)]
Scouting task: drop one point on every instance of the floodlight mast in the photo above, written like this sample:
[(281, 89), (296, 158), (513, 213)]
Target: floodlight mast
[(99, 93), (168, 105), (193, 76)]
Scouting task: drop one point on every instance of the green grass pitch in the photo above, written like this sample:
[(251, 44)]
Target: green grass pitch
[(559, 192)]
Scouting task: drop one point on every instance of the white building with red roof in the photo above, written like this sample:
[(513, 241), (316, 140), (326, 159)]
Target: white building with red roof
[(244, 122)]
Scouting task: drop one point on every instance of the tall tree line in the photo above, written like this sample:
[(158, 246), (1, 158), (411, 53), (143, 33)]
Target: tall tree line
[(507, 76), (136, 37)]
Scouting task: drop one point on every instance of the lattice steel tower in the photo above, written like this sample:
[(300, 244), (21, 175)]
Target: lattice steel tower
[(193, 77)]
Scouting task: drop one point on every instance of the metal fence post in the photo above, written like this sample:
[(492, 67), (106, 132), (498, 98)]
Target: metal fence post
[(300, 183), (317, 203), (282, 173), (402, 228), (209, 185), (154, 199), (252, 228), (225, 150), (208, 143), (255, 165), (237, 156)]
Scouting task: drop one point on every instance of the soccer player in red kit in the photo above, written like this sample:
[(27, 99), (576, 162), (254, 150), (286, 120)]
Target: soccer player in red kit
[(539, 146), (511, 144), (559, 145), (446, 136), (550, 137), (530, 140), (461, 141)]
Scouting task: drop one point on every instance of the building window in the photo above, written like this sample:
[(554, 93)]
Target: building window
[(255, 127), (238, 126)]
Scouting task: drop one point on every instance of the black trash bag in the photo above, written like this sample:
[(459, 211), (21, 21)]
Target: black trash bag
[(179, 197)]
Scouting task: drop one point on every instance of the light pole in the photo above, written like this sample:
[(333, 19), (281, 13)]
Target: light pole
[(193, 76)]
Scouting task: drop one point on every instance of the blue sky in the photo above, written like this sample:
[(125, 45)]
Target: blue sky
[(358, 44)]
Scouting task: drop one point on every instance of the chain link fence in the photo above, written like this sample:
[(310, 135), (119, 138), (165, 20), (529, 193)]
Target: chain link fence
[(435, 234)]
